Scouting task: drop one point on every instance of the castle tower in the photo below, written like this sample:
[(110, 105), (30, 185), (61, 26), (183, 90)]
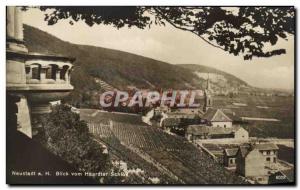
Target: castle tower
[(207, 96), (32, 80)]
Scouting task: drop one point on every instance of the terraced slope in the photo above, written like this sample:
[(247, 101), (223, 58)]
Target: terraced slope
[(170, 158)]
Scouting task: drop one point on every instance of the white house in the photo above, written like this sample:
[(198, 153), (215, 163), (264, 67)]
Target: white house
[(241, 134), (217, 118)]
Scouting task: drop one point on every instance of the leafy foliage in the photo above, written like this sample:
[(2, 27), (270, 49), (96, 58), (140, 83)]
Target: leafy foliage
[(246, 31), (67, 136)]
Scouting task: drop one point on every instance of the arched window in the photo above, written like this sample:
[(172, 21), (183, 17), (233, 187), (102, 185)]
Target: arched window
[(63, 72), (36, 71)]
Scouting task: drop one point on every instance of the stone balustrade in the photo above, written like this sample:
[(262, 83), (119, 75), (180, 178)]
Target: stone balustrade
[(33, 80), (47, 72)]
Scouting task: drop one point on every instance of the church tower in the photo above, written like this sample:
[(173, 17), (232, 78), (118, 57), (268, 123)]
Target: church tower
[(207, 96)]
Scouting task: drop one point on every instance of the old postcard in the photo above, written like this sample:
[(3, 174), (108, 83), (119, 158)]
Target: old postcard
[(150, 95)]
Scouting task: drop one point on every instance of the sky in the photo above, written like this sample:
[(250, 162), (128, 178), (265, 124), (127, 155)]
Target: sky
[(165, 43)]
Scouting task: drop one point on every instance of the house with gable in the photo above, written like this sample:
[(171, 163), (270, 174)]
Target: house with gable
[(229, 157), (269, 151), (217, 118), (250, 163)]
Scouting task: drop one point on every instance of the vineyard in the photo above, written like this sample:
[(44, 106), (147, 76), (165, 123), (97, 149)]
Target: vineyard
[(97, 116), (170, 158)]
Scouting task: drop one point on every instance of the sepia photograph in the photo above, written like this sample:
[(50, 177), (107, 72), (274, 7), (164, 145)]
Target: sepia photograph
[(150, 95)]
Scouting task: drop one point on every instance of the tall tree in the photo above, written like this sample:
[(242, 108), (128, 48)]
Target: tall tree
[(246, 31)]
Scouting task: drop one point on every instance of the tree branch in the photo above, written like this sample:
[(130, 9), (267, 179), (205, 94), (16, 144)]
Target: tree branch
[(182, 28)]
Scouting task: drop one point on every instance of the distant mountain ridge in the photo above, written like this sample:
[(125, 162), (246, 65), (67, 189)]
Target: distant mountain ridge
[(120, 69)]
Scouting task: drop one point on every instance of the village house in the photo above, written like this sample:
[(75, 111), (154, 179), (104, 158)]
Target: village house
[(177, 123), (201, 132), (269, 151), (167, 119), (229, 158), (217, 118), (255, 161), (250, 164)]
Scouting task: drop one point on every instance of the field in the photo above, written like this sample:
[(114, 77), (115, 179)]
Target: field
[(276, 107)]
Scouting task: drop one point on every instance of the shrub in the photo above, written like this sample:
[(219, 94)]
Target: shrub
[(67, 136)]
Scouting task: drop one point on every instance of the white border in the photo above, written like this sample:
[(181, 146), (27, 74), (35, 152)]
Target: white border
[(3, 185)]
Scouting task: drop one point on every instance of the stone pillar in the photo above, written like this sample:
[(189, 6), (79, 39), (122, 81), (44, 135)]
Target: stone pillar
[(58, 74), (14, 29), (10, 22), (29, 74), (67, 76), (18, 24), (43, 74)]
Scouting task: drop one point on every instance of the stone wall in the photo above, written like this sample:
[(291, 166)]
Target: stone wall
[(24, 120)]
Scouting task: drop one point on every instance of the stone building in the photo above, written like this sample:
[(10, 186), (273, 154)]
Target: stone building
[(32, 80), (250, 163)]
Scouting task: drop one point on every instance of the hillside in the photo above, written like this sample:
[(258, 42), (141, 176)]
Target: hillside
[(233, 80), (171, 159), (117, 68)]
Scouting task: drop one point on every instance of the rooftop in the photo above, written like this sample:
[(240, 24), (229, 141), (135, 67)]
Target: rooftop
[(266, 146), (200, 129), (244, 150), (231, 151), (216, 115)]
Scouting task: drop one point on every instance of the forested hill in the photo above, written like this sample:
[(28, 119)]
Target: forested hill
[(117, 68)]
